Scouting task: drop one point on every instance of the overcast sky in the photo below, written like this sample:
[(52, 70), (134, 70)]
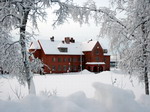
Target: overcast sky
[(70, 28)]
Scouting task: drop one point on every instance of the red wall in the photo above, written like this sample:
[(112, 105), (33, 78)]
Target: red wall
[(37, 53), (107, 62), (72, 62), (97, 55), (71, 66)]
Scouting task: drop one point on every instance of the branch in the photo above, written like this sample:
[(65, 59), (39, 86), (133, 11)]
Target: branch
[(64, 7), (113, 18), (10, 45), (47, 66), (31, 53), (9, 15), (143, 22)]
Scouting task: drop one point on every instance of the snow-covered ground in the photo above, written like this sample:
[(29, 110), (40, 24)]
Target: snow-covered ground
[(110, 91)]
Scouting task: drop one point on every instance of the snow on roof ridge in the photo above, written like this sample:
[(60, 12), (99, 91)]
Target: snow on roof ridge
[(35, 45), (51, 47), (88, 45)]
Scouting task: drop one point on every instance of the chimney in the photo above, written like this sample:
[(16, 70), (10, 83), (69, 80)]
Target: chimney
[(52, 38), (67, 40), (72, 40)]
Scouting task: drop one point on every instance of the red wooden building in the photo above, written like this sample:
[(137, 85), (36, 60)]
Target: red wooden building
[(70, 56)]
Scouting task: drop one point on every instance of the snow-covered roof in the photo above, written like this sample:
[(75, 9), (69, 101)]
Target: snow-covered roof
[(88, 46), (35, 45), (95, 63), (107, 54), (114, 58), (51, 47)]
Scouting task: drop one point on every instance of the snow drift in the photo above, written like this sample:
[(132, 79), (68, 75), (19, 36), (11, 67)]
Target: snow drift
[(107, 99)]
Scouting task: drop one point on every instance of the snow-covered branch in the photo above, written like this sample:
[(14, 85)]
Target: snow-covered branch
[(10, 45)]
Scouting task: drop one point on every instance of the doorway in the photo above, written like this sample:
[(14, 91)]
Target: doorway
[(95, 69)]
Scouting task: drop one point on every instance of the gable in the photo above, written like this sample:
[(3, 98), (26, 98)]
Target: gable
[(88, 46), (98, 48)]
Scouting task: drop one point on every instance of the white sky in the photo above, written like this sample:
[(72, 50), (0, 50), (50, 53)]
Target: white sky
[(70, 28)]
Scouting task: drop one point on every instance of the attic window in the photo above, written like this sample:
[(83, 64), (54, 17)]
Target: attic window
[(97, 52), (63, 49), (105, 51)]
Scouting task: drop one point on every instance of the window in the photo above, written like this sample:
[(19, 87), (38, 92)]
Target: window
[(69, 59), (97, 51), (59, 59), (53, 59), (80, 59), (74, 59), (65, 59), (53, 68), (59, 67), (74, 68), (63, 49), (97, 59), (65, 67)]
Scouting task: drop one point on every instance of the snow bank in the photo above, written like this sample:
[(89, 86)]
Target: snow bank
[(67, 84), (85, 71), (145, 101), (116, 99), (107, 99)]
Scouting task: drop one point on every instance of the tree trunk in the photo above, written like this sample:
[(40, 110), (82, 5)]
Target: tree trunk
[(146, 82), (145, 59), (24, 52), (145, 67)]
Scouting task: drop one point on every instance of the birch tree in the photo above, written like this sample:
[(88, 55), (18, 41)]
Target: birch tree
[(9, 56), (130, 36), (16, 14)]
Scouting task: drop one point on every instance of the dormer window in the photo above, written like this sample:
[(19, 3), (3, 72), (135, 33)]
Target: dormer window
[(62, 49)]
